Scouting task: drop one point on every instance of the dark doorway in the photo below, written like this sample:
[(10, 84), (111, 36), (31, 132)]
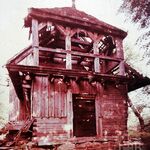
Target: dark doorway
[(84, 119)]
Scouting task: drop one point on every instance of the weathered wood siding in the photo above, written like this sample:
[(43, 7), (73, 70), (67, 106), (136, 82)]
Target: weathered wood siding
[(48, 99), (114, 109), (13, 104), (17, 108), (49, 107)]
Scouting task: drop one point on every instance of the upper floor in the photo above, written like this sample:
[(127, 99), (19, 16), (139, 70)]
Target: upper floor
[(66, 38)]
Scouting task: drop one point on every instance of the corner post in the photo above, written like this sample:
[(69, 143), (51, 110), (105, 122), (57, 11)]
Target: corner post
[(96, 59), (68, 49), (35, 42), (120, 54)]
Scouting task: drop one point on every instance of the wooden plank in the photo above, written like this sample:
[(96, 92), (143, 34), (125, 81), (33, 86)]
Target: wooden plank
[(64, 103), (43, 96), (36, 102), (50, 120), (35, 41), (56, 100), (55, 126), (60, 104), (69, 113), (46, 96), (51, 99)]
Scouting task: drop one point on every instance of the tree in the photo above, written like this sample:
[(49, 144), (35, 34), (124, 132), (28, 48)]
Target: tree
[(139, 12)]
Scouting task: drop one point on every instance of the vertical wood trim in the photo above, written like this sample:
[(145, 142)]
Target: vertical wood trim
[(69, 112), (51, 99), (97, 114), (37, 97), (120, 54), (100, 126), (119, 46), (42, 99), (68, 55), (35, 42), (46, 96), (96, 60), (99, 103), (31, 97)]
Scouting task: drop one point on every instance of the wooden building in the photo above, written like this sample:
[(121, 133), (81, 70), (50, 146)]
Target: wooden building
[(72, 81)]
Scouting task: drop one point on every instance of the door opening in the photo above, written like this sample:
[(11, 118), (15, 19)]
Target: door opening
[(84, 119)]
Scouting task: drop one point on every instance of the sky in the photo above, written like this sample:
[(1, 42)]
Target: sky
[(14, 37)]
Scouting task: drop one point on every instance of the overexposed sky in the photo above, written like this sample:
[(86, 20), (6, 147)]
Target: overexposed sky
[(13, 37)]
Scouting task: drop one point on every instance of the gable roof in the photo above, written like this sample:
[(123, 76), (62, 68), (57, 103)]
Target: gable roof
[(73, 17)]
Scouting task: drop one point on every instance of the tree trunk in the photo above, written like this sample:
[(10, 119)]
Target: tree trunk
[(137, 114)]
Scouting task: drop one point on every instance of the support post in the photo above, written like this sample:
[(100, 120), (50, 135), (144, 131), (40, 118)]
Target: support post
[(68, 49), (69, 113), (96, 59), (35, 42), (120, 54)]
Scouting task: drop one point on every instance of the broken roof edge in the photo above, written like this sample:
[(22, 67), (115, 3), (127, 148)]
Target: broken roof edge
[(138, 81), (74, 17)]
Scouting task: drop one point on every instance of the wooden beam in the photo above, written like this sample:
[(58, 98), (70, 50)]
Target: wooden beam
[(41, 26), (120, 54), (121, 68), (73, 48), (35, 42), (77, 41), (111, 67), (119, 47), (44, 70), (80, 54)]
